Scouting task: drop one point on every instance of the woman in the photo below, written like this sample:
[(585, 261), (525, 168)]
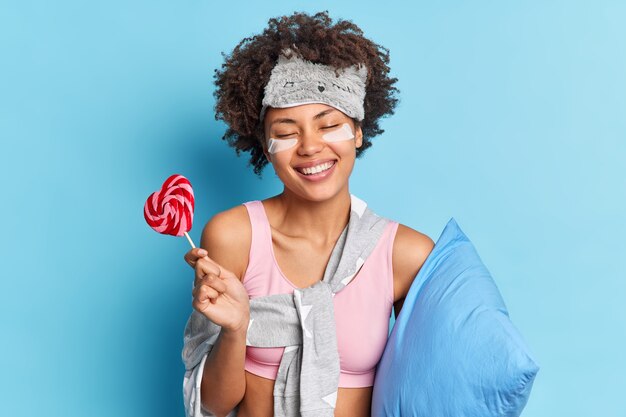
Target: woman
[(284, 243)]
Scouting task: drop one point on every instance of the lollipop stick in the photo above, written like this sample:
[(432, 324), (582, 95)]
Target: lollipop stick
[(193, 246), (190, 241)]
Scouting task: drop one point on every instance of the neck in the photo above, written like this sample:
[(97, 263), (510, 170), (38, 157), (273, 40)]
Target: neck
[(320, 221)]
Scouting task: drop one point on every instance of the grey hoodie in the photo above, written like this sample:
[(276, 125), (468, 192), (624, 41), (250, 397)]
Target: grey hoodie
[(302, 322)]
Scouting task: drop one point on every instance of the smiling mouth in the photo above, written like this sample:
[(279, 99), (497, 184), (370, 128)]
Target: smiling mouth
[(317, 169)]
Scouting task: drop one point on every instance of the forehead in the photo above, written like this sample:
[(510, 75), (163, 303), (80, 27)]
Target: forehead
[(303, 112)]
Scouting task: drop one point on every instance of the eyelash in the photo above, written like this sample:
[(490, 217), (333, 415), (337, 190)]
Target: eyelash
[(326, 127)]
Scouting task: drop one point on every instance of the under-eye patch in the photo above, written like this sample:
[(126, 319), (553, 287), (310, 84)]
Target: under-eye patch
[(339, 135), (278, 145)]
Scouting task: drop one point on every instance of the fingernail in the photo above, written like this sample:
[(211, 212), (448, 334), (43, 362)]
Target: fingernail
[(202, 252)]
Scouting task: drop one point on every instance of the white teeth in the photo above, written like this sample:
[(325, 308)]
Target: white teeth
[(317, 168)]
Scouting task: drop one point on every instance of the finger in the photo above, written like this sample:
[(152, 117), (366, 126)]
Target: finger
[(201, 304), (208, 266), (193, 255), (203, 292), (190, 259), (216, 283), (206, 293), (200, 280), (212, 281), (199, 276), (201, 273), (196, 291)]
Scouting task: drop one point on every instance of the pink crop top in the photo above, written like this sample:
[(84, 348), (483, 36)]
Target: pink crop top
[(362, 309)]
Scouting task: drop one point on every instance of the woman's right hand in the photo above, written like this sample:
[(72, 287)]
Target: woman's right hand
[(218, 293)]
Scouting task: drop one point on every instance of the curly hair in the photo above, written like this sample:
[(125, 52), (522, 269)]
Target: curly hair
[(242, 78)]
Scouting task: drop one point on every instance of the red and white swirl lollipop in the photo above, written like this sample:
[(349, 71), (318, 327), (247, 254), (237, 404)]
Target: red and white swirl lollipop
[(170, 210)]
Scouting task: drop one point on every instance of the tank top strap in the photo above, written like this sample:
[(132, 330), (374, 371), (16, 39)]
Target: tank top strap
[(390, 240), (259, 250)]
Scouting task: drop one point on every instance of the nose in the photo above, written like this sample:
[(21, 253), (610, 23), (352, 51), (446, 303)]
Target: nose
[(310, 143)]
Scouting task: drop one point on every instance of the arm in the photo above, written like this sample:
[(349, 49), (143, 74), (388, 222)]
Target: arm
[(224, 380), (223, 383), (410, 250)]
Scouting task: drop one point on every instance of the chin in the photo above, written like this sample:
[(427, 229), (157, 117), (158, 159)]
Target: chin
[(321, 193)]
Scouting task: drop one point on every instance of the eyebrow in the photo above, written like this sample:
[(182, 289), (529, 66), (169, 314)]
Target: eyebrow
[(316, 117)]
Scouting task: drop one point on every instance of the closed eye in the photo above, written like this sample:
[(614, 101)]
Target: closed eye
[(290, 134)]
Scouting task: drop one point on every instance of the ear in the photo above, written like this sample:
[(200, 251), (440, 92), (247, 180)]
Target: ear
[(265, 152), (358, 137)]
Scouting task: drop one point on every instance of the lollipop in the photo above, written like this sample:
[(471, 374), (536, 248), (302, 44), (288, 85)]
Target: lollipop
[(170, 210)]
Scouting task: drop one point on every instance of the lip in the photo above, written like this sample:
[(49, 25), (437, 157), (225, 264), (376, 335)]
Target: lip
[(318, 177), (313, 163)]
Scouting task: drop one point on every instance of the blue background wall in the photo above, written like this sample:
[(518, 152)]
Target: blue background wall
[(512, 120)]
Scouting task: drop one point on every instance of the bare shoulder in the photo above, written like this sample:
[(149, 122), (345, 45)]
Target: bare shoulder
[(227, 237), (410, 250)]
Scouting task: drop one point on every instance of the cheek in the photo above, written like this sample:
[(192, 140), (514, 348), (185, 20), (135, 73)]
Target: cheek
[(280, 159), (343, 148)]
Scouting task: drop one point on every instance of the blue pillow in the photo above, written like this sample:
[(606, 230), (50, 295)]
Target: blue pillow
[(453, 351)]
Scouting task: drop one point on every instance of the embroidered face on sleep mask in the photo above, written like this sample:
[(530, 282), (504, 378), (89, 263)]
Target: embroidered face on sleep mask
[(339, 135)]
